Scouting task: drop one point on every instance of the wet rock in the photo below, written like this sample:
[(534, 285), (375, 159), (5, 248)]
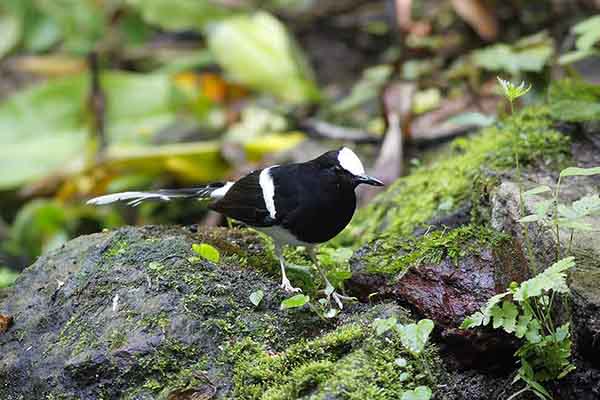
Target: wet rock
[(127, 314), (584, 280), (450, 290)]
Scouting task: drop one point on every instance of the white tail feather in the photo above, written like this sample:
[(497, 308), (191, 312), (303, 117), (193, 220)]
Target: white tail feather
[(134, 197), (213, 191)]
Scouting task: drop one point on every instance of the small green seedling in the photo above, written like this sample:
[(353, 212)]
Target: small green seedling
[(256, 297), (418, 393), (207, 252), (295, 301), (512, 92)]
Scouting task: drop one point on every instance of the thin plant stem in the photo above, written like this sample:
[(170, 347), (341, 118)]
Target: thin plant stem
[(528, 244), (520, 392), (570, 242), (555, 219)]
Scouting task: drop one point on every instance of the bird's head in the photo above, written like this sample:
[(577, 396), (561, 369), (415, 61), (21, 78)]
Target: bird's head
[(347, 167)]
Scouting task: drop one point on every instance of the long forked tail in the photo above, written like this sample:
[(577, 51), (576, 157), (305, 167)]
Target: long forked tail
[(212, 191)]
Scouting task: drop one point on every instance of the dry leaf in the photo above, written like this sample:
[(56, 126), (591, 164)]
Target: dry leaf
[(5, 322)]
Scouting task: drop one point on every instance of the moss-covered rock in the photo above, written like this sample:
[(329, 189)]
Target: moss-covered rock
[(460, 175), (132, 314)]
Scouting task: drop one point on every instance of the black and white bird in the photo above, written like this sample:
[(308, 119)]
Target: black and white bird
[(300, 204)]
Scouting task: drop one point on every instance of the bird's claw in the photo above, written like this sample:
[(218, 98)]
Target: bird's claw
[(338, 298), (288, 288)]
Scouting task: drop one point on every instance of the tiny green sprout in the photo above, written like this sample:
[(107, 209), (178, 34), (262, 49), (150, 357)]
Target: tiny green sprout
[(256, 297), (294, 302), (512, 91), (206, 251)]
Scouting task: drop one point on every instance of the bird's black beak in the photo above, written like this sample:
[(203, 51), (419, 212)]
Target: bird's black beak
[(368, 180)]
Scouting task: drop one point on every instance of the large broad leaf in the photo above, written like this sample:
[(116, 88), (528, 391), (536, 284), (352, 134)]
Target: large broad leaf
[(257, 51), (574, 100), (179, 15), (10, 31), (529, 54), (588, 35), (44, 127), (82, 23)]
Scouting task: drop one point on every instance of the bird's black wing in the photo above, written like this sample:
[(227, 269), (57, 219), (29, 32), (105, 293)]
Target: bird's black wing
[(244, 202)]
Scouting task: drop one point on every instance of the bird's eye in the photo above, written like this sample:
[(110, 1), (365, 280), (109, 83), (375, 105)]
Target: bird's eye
[(337, 168)]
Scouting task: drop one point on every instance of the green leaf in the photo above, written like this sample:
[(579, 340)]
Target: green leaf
[(505, 316), (294, 302), (529, 54), (588, 32), (419, 393), (573, 56), (574, 100), (206, 251), (576, 171), (7, 277), (537, 190), (483, 316), (522, 324), (562, 332), (338, 277), (257, 51), (256, 297), (587, 205), (401, 362), (472, 321), (541, 208), (331, 313), (476, 119), (512, 91), (566, 211), (367, 88), (55, 135), (334, 257), (414, 336), (529, 218), (82, 22), (10, 32), (180, 15), (575, 225), (533, 332), (382, 325), (553, 278)]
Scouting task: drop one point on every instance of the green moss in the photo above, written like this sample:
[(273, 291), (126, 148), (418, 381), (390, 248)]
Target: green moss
[(348, 363), (173, 366), (394, 255), (116, 339), (449, 182), (160, 321), (117, 248), (77, 335)]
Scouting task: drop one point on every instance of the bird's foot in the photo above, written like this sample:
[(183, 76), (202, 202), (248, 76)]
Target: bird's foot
[(338, 298), (287, 286)]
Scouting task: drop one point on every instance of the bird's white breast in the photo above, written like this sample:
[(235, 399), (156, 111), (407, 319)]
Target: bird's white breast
[(282, 236)]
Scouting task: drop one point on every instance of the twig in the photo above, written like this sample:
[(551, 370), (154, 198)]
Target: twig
[(97, 107), (318, 128)]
